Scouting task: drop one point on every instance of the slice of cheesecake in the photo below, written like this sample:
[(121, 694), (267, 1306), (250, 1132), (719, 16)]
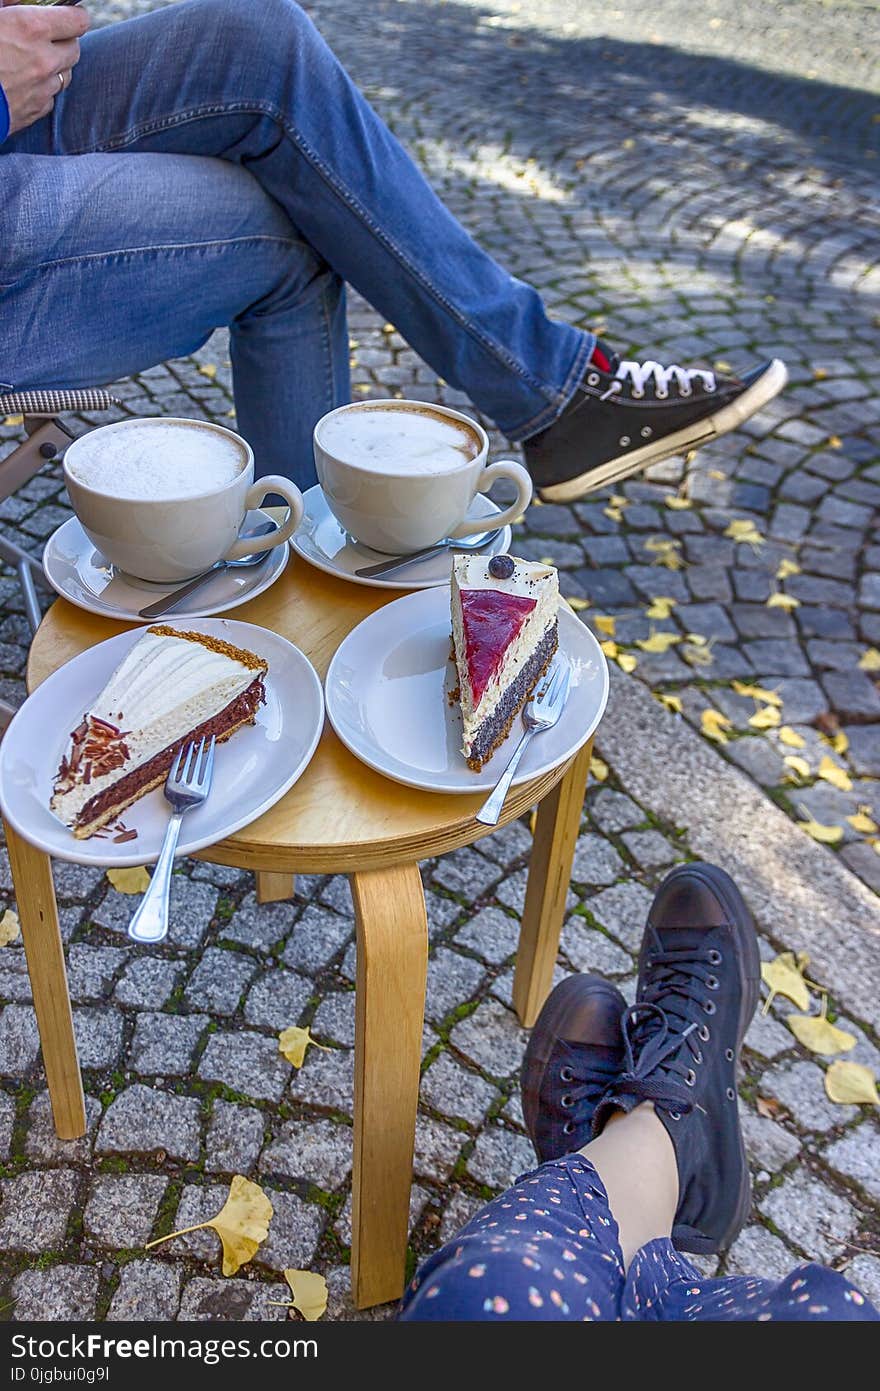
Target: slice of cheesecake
[(171, 687), (504, 634)]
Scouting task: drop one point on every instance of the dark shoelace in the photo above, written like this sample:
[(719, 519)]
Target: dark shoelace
[(581, 1095)]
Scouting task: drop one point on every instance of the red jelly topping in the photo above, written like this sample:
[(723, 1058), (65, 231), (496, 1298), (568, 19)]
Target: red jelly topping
[(491, 620)]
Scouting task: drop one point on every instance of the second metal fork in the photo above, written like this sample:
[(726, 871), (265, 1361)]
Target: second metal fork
[(187, 786), (542, 712)]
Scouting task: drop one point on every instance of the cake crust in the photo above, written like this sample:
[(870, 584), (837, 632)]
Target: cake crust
[(218, 645)]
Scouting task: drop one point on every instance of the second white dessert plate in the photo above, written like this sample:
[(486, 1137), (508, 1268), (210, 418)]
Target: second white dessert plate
[(387, 698), (252, 771), (81, 574)]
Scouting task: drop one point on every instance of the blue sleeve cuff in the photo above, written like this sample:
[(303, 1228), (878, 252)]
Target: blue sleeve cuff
[(4, 116)]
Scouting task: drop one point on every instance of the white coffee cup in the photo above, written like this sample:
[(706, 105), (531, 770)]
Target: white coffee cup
[(187, 497), (396, 501)]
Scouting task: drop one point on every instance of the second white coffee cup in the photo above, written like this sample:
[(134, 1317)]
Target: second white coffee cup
[(399, 486), (190, 485)]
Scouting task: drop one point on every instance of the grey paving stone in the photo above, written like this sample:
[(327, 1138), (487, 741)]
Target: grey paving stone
[(294, 1233), (163, 1044), (864, 1272), (452, 980), (260, 926), (467, 873), (443, 911), (500, 1156), (623, 911), (122, 1208), (98, 1036), (7, 1120), (326, 1080), (508, 843), (219, 981), (148, 982), (334, 1018), (61, 1293), (757, 1252), (75, 881), (277, 999), (588, 949), (768, 1037), (491, 1038), (757, 758), (148, 1291), (864, 748), (595, 861), (800, 1087), (757, 621), (143, 1119), (43, 1145), (777, 657), (91, 970), (238, 1301), (453, 1090), (802, 701), (437, 1148), (614, 811), (825, 623), (35, 1207), (19, 1040), (767, 1144), (193, 905), (319, 935), (316, 1151), (852, 694), (491, 934), (248, 1063), (864, 861), (810, 1215), (512, 892), (235, 1138), (651, 850), (855, 1156)]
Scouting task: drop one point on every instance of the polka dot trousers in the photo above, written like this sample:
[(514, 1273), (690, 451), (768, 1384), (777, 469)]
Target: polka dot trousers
[(548, 1248)]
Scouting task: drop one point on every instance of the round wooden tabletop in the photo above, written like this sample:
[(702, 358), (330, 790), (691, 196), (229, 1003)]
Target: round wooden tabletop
[(341, 815)]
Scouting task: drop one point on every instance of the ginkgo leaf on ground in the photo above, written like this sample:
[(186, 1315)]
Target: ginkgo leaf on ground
[(838, 742), (784, 976), (786, 568), (606, 623), (697, 655), (293, 1043), (833, 773), (744, 531), (658, 642), (672, 702), (870, 660), (862, 822), (743, 688), (208, 369), (577, 604), (309, 1292), (626, 661), (609, 648), (791, 738), (826, 835), (783, 601), (797, 765), (10, 930), (618, 500), (598, 768), (851, 1084), (134, 880), (816, 1033), (768, 718), (713, 725), (241, 1224), (676, 503), (660, 607), (696, 639), (614, 514)]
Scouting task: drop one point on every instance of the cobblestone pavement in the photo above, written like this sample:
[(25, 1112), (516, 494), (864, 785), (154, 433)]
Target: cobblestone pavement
[(696, 206)]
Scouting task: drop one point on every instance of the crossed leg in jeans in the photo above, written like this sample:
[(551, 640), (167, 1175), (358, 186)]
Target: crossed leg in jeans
[(211, 164)]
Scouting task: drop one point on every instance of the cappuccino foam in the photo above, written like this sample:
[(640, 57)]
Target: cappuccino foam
[(399, 441), (151, 460)]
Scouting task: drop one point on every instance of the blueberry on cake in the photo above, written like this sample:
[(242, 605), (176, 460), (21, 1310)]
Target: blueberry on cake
[(171, 687), (504, 634)]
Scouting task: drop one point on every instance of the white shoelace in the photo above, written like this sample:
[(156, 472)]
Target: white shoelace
[(640, 374)]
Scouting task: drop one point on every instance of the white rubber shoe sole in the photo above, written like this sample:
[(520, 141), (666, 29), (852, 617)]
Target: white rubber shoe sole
[(730, 417)]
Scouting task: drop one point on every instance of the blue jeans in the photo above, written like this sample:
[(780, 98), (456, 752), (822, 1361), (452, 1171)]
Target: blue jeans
[(214, 164)]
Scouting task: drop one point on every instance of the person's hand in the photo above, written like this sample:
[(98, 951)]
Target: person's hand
[(38, 48)]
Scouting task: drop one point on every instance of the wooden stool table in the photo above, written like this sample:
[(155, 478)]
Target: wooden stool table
[(341, 817)]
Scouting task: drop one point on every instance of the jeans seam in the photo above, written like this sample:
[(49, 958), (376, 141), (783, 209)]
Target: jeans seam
[(226, 244), (556, 396)]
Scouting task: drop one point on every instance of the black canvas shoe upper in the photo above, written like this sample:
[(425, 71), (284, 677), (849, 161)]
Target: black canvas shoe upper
[(636, 414), (574, 1055), (698, 986)]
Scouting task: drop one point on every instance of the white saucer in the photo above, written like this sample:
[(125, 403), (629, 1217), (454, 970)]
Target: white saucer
[(386, 693), (79, 573), (251, 772), (322, 542)]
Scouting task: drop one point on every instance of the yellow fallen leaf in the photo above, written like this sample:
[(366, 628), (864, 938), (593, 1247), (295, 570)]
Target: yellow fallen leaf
[(618, 500), (831, 772), (388, 328), (605, 623), (309, 1292), (672, 702), (676, 503), (768, 718), (784, 975), (757, 693), (717, 475), (660, 607), (862, 822), (851, 1084), (713, 725), (826, 835), (609, 648), (870, 660), (578, 605), (696, 639), (293, 1043), (626, 661), (744, 531), (786, 568), (816, 1033), (820, 374), (835, 442), (783, 601), (10, 930), (659, 545), (14, 420), (598, 768), (798, 765), (697, 656), (546, 560), (722, 366), (615, 514), (242, 1224), (672, 560), (658, 642), (627, 144), (839, 742), (208, 369), (791, 738), (135, 880)]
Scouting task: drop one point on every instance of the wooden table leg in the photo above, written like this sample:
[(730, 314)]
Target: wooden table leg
[(559, 819), (392, 963), (38, 915), (272, 888)]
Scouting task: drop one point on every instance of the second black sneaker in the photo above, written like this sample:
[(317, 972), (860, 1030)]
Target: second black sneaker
[(699, 973), (626, 415)]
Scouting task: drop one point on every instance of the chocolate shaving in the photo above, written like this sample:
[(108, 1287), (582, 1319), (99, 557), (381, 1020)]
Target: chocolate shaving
[(126, 835)]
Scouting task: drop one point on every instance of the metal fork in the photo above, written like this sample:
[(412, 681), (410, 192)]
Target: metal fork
[(187, 786), (541, 713)]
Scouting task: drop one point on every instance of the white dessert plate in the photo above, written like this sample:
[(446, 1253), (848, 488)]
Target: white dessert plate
[(323, 543), (387, 687), (79, 573), (251, 771)]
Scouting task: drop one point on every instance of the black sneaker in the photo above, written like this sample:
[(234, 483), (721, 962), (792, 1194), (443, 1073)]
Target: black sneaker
[(574, 1055), (699, 970), (635, 414)]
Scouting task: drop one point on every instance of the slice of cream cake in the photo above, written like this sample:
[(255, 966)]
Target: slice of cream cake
[(171, 687), (504, 634)]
